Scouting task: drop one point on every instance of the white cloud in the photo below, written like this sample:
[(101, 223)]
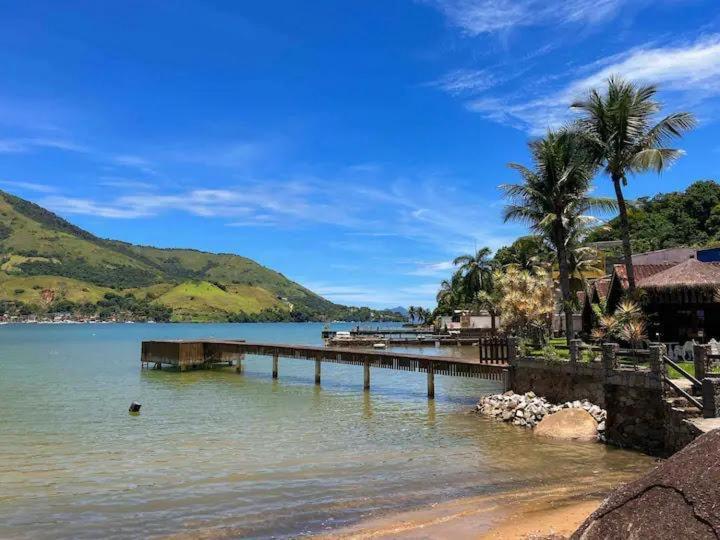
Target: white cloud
[(378, 297), (687, 74), (466, 81), (477, 17), (21, 145), (28, 186), (431, 269)]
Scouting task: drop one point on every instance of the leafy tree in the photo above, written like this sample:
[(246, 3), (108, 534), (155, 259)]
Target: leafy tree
[(553, 199), (620, 126), (475, 270), (526, 253), (527, 302)]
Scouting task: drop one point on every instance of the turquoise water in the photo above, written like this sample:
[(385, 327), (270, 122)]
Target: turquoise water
[(241, 455)]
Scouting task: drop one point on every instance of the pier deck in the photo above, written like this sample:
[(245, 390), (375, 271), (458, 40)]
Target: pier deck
[(194, 354)]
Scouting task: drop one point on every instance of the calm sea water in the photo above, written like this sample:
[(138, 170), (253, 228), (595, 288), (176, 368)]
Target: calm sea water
[(241, 455)]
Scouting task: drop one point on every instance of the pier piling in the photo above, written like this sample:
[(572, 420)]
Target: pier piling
[(318, 362), (431, 380), (366, 372), (275, 366)]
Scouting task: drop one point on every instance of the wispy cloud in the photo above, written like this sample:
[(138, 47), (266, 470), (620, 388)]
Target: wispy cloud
[(378, 297), (466, 81), (430, 269), (28, 144), (477, 17), (28, 186), (125, 183), (688, 74), (419, 209)]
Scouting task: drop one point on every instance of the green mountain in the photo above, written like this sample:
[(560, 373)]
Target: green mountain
[(48, 264), (689, 218)]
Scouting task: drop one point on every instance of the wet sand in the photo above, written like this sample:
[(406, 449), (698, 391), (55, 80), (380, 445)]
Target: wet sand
[(524, 514)]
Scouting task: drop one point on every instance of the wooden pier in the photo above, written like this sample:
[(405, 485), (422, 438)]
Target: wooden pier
[(201, 354)]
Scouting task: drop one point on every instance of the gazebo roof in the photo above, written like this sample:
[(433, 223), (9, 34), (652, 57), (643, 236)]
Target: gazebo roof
[(689, 274)]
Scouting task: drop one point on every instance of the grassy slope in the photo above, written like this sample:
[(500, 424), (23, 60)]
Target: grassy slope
[(31, 235), (201, 300), (28, 289), (230, 269)]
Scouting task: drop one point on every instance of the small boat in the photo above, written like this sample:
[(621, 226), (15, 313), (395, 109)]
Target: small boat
[(379, 345), (342, 335)]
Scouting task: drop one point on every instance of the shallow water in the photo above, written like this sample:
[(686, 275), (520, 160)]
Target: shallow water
[(241, 454)]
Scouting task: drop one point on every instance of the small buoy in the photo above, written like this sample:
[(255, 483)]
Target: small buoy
[(135, 407)]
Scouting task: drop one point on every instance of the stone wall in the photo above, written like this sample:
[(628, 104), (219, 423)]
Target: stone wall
[(638, 414), (558, 381)]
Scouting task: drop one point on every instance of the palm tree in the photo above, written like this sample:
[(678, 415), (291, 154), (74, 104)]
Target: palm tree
[(553, 198), (620, 127), (451, 294), (475, 270), (489, 299), (411, 314)]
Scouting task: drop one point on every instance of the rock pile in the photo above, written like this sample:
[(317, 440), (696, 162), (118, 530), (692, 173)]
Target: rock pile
[(528, 409)]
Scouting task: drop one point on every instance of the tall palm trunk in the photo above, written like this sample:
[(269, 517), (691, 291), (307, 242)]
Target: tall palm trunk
[(564, 271), (624, 232)]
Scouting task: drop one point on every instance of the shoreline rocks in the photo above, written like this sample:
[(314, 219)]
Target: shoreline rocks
[(527, 410)]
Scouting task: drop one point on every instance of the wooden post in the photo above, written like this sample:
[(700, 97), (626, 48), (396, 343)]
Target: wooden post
[(275, 366), (317, 370), (431, 380), (575, 350), (239, 366), (700, 353), (366, 369)]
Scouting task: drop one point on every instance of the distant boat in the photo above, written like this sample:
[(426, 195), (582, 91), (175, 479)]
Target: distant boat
[(342, 335), (379, 345)]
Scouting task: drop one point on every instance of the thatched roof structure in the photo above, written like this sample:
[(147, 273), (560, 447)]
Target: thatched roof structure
[(691, 274), (642, 272), (602, 287)]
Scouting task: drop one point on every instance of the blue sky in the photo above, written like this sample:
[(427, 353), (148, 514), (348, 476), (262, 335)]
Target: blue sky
[(354, 146)]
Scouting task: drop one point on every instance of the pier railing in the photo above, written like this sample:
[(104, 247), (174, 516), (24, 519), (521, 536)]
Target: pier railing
[(493, 350)]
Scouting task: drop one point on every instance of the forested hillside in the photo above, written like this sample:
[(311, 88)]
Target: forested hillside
[(687, 218)]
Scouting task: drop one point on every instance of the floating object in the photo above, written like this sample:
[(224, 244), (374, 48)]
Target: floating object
[(134, 407), (378, 345)]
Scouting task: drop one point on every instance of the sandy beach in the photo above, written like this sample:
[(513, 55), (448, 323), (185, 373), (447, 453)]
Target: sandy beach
[(554, 512)]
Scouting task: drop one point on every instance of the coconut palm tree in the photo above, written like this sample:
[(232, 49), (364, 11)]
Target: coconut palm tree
[(620, 125), (553, 198), (474, 270), (411, 314), (452, 294)]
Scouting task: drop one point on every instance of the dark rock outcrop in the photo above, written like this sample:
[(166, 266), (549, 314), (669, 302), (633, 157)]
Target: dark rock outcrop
[(680, 498)]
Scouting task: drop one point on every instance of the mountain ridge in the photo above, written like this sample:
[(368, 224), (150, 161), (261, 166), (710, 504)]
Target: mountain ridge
[(36, 244)]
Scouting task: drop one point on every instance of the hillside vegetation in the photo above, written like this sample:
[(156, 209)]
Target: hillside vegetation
[(689, 218), (48, 264)]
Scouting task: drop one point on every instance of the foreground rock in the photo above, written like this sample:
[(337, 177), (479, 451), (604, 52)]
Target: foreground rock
[(568, 424), (678, 499), (527, 410)]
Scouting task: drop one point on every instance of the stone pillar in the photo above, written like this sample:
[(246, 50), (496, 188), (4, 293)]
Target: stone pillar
[(275, 366), (609, 352), (711, 397), (513, 344), (431, 380), (657, 365), (317, 370), (366, 373), (700, 354), (575, 350)]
